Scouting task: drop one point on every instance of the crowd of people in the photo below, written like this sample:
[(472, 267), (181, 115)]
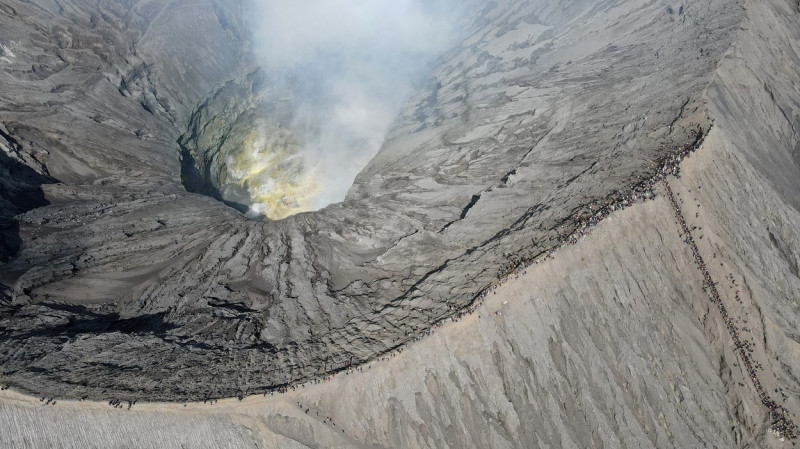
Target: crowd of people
[(116, 403), (782, 426), (641, 189), (325, 420)]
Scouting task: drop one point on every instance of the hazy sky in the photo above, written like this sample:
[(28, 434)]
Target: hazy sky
[(356, 62)]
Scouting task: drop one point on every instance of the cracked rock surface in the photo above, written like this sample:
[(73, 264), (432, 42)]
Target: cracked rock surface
[(124, 285)]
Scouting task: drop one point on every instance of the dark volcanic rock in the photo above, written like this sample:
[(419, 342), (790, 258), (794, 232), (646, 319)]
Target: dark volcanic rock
[(128, 286)]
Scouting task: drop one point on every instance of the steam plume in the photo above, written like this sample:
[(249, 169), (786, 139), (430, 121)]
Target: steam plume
[(355, 62)]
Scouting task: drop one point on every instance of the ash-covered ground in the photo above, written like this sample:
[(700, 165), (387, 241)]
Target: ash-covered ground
[(121, 285)]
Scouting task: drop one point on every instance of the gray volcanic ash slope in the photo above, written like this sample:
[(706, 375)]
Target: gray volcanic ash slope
[(515, 136), (126, 286)]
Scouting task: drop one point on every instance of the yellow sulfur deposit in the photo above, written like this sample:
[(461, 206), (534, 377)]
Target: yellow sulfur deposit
[(272, 169)]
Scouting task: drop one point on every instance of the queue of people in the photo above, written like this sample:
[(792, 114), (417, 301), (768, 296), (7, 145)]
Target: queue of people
[(781, 425)]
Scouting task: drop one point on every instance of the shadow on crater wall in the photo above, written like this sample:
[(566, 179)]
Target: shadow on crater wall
[(196, 182), (20, 191)]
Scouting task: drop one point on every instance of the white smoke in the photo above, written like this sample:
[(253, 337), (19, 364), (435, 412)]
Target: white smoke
[(355, 62)]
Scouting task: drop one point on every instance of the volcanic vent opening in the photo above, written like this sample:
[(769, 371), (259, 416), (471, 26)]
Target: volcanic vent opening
[(270, 174), (247, 145), (292, 136)]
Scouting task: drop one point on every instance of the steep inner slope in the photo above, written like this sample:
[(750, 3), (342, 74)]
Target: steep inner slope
[(127, 286), (245, 148)]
